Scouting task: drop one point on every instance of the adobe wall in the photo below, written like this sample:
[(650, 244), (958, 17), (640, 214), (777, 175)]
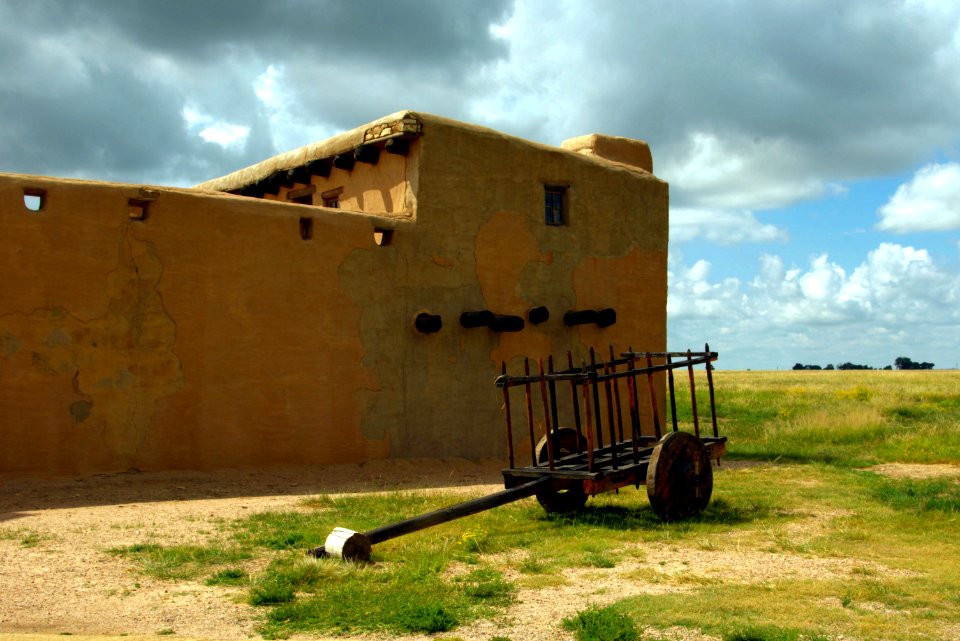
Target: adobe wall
[(211, 335), (205, 336), (481, 243)]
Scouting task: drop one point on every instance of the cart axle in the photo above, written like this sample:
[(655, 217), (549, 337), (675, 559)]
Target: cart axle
[(355, 546)]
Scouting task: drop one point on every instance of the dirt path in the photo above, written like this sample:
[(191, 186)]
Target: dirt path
[(55, 577)]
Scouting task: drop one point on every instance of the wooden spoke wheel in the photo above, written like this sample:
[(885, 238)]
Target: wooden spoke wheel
[(562, 499), (679, 477)]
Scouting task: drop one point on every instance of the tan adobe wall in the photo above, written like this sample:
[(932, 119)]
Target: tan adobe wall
[(210, 334), (481, 243), (204, 336)]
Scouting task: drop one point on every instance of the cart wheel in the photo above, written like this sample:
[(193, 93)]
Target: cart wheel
[(679, 477), (571, 498)]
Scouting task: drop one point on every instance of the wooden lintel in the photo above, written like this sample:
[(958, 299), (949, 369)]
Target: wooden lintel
[(332, 193), (309, 190)]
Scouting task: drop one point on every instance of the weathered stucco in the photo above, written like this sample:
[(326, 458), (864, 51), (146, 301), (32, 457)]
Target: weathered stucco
[(211, 334)]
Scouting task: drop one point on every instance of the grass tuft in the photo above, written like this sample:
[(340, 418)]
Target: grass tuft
[(602, 624), (180, 561), (271, 591), (229, 577), (427, 617), (770, 633), (918, 495)]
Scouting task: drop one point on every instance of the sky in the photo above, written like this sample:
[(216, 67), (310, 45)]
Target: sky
[(812, 148)]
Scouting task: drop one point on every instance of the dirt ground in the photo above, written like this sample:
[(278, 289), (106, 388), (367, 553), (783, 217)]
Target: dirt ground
[(56, 578)]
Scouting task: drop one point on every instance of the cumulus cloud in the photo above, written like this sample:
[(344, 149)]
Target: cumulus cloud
[(896, 300), (747, 105), (733, 171), (721, 227), (742, 114), (106, 90), (929, 202)]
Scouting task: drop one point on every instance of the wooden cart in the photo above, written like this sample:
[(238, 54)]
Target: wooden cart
[(601, 446)]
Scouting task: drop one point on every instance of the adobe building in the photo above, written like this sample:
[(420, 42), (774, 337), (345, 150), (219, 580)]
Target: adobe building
[(310, 309)]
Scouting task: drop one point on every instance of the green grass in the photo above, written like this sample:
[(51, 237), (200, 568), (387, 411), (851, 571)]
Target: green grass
[(180, 561), (918, 495), (844, 418), (770, 633), (890, 547), (229, 576), (602, 624), (406, 597), (25, 537)]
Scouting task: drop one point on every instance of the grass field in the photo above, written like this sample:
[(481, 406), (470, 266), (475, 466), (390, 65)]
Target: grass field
[(805, 544)]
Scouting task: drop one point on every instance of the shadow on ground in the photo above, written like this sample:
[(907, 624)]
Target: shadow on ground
[(23, 495)]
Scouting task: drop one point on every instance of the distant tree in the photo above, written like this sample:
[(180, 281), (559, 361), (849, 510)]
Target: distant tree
[(888, 367), (853, 366), (799, 366), (829, 366), (902, 362)]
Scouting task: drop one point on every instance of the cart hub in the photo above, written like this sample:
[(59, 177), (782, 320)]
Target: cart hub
[(347, 544)]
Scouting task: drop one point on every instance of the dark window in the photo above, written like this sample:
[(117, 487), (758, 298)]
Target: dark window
[(554, 205), (137, 209), (331, 197), (306, 228), (382, 237)]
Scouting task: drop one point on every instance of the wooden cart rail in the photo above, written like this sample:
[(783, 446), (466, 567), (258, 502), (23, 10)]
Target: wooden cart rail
[(596, 405)]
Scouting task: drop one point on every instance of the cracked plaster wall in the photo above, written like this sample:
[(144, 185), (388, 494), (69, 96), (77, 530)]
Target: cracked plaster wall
[(208, 335)]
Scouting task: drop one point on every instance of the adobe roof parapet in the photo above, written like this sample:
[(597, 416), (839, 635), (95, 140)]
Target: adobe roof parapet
[(406, 126), (393, 134), (346, 146), (627, 151)]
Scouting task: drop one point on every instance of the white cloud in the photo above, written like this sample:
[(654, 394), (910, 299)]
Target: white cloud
[(693, 295), (284, 112), (896, 302), (929, 202), (732, 171), (225, 134), (721, 227), (213, 130)]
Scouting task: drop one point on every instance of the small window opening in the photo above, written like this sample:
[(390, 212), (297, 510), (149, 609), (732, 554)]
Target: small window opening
[(331, 197), (34, 199), (137, 209), (306, 228), (555, 205), (382, 237)]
